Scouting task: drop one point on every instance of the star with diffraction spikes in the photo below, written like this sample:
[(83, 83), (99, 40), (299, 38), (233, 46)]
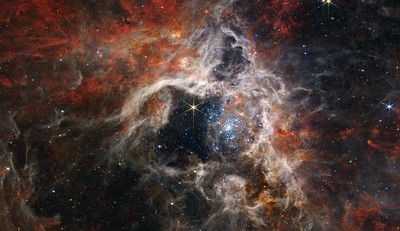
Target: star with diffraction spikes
[(328, 4), (389, 107), (192, 107)]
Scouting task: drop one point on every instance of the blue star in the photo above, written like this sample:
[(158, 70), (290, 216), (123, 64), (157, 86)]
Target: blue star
[(389, 107)]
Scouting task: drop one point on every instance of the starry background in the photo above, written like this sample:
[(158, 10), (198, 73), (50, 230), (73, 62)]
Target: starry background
[(199, 115)]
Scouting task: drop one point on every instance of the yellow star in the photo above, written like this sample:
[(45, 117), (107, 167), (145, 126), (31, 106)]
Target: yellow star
[(192, 107), (328, 2)]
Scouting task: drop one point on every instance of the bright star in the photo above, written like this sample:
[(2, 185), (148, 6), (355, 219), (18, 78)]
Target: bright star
[(389, 106), (192, 107), (327, 3)]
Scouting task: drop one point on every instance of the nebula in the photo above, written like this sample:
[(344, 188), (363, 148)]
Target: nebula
[(199, 115)]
